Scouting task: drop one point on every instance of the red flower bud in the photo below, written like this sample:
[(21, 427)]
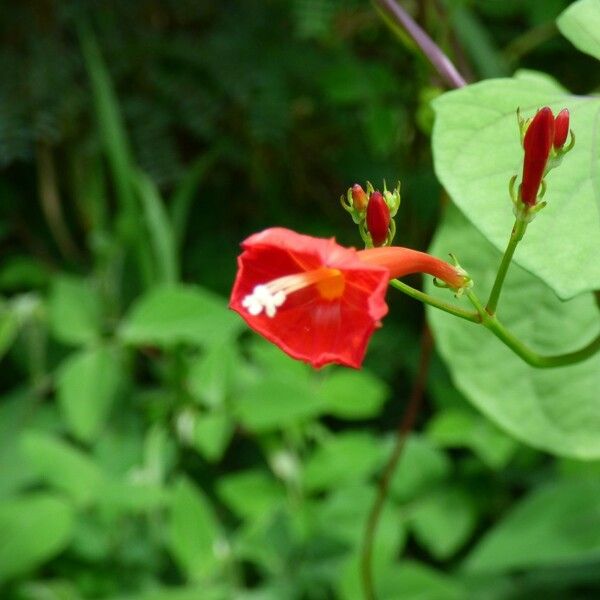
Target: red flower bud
[(561, 128), (378, 218), (537, 144), (359, 198)]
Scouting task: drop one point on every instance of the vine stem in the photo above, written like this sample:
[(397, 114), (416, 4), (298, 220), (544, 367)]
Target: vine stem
[(468, 315), (406, 425), (443, 65), (531, 357), (517, 233)]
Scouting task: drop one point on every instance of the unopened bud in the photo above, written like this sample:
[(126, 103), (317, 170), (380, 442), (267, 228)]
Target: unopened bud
[(378, 218), (359, 198), (537, 144), (561, 128)]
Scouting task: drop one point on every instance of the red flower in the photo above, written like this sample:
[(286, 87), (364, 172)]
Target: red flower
[(537, 144), (561, 128), (378, 218), (316, 300)]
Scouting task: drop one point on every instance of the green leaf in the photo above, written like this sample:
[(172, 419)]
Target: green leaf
[(251, 494), (477, 150), (558, 524), (117, 150), (421, 467), (35, 528), (211, 592), (15, 473), (172, 315), (194, 532), (552, 409), (416, 581), (443, 521), (88, 383), (462, 428), (211, 376), (352, 394), (212, 434), (348, 507), (277, 401), (159, 228), (62, 466), (580, 24), (110, 125), (74, 311), (347, 457)]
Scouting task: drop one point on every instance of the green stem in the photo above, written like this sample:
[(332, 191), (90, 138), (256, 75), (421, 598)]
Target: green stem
[(427, 299), (516, 236), (530, 356)]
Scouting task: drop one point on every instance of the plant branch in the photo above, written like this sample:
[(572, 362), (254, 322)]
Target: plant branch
[(442, 64), (468, 315), (517, 233), (531, 357), (406, 424)]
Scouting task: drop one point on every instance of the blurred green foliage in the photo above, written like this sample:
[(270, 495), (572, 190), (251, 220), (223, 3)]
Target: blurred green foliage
[(150, 447)]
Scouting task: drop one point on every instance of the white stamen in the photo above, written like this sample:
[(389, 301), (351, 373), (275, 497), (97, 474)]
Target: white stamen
[(270, 296), (262, 298)]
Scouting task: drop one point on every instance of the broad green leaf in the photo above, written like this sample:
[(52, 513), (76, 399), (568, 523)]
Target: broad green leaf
[(172, 315), (347, 457), (553, 409), (204, 592), (462, 428), (408, 580), (276, 402), (35, 528), (419, 582), (421, 467), (352, 394), (133, 497), (348, 506), (211, 375), (74, 310), (558, 524), (16, 411), (251, 494), (194, 532), (88, 383), (63, 466), (22, 272), (477, 150), (443, 520), (580, 24), (212, 434)]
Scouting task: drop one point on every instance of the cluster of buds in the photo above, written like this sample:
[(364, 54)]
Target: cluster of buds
[(373, 211), (543, 138)]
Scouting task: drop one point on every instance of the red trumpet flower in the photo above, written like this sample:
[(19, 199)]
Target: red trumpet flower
[(537, 144), (318, 301)]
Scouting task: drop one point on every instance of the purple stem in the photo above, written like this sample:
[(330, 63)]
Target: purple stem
[(430, 49)]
